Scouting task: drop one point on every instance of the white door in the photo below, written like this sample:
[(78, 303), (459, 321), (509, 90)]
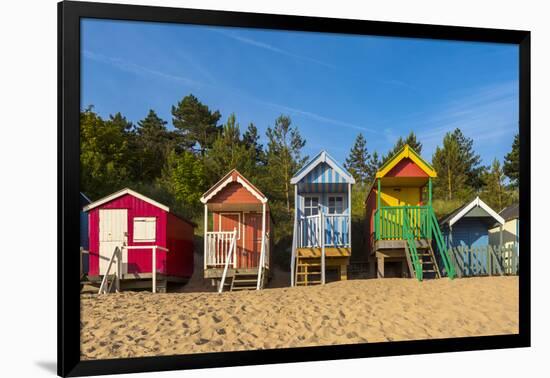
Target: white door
[(113, 231)]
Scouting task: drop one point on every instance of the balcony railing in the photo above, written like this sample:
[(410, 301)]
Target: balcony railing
[(335, 227), (390, 222), (218, 245)]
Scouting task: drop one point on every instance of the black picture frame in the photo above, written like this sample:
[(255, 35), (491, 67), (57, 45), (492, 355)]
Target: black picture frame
[(69, 15)]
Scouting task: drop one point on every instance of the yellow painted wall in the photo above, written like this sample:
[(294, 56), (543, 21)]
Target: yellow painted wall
[(508, 234), (401, 197)]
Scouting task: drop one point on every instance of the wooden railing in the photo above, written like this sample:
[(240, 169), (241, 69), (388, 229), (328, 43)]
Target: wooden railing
[(263, 263), (389, 222), (333, 227), (153, 249), (117, 255), (295, 239), (105, 286), (229, 259), (218, 244), (336, 230), (485, 260), (411, 223)]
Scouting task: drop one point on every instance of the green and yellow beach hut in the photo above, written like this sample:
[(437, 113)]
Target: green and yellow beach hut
[(404, 239)]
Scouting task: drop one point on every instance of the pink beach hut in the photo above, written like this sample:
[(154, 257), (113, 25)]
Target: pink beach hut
[(137, 242)]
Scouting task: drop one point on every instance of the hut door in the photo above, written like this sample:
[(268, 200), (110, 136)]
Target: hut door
[(228, 222), (113, 228), (253, 240)]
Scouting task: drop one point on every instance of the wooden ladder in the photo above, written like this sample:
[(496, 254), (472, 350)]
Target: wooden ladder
[(307, 272)]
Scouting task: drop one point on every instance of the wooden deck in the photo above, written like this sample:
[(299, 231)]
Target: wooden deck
[(329, 252), (397, 244), (217, 272)]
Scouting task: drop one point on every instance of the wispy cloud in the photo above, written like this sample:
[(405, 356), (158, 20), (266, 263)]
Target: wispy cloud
[(270, 47), (484, 114), (197, 66), (317, 117), (127, 66)]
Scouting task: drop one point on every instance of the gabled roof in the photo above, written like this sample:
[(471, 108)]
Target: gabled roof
[(510, 212), (322, 157), (233, 176), (459, 213), (406, 152), (121, 193)]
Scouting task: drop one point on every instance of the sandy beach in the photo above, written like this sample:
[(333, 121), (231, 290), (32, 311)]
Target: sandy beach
[(134, 324)]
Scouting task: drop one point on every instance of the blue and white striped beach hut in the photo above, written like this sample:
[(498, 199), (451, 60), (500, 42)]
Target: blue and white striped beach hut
[(322, 219)]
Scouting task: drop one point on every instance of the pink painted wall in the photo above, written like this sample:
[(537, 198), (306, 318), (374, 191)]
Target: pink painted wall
[(139, 260)]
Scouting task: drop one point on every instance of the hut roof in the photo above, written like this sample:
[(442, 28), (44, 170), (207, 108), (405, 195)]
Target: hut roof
[(131, 192), (322, 157), (510, 212), (469, 209), (233, 176), (406, 152)]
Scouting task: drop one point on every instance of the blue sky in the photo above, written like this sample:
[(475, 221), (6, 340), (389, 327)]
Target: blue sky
[(333, 86)]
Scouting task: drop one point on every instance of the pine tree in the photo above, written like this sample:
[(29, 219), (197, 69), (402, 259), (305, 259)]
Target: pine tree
[(411, 140), (470, 159), (283, 158), (251, 140), (511, 163), (357, 161), (154, 143), (372, 166), (451, 169), (229, 152), (196, 125), (494, 191)]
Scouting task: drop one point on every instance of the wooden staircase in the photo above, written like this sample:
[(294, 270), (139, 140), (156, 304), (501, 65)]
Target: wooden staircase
[(308, 271), (427, 260), (244, 281), (430, 268)]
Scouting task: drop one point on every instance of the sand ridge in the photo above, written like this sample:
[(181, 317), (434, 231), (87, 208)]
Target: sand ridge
[(135, 324)]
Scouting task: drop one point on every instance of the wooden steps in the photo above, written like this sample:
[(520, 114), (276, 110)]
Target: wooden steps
[(244, 281), (430, 269)]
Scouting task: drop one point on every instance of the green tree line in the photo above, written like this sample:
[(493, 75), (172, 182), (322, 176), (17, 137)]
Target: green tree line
[(175, 166)]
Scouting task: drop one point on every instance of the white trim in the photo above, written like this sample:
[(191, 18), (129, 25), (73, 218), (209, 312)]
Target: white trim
[(322, 158), (229, 180), (143, 219), (218, 189), (319, 203), (336, 195), (251, 190), (477, 202), (122, 192)]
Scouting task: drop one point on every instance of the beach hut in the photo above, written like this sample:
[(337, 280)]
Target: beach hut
[(137, 242), (322, 221), (468, 226), (84, 200), (237, 244), (506, 234), (401, 226)]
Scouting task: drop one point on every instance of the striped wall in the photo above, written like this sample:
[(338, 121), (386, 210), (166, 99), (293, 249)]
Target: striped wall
[(323, 179)]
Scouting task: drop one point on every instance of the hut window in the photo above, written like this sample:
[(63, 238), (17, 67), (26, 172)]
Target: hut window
[(335, 205), (311, 206), (145, 229)]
